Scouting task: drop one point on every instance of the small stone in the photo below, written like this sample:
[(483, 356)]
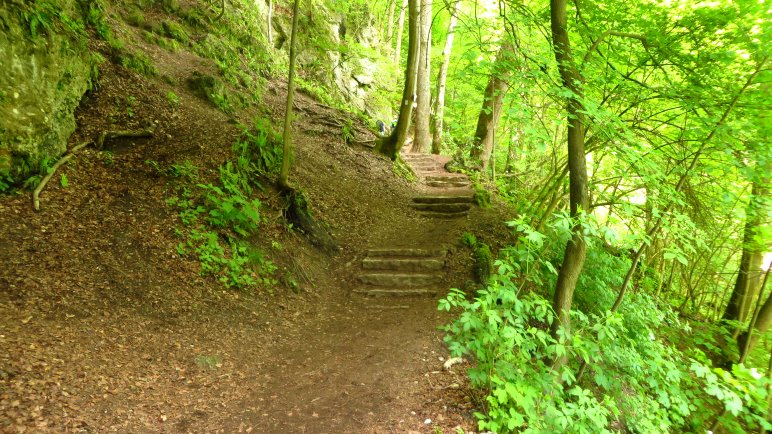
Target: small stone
[(428, 422)]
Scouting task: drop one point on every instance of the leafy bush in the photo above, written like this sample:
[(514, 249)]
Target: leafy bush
[(631, 380)]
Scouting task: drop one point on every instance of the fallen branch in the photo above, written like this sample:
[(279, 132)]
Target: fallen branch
[(44, 181), (108, 135)]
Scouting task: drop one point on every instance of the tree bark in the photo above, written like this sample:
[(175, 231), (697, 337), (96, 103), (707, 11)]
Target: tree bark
[(391, 145), (442, 77), (422, 141), (750, 261), (760, 323), (287, 150), (400, 29), (576, 249), (270, 23), (488, 120), (390, 22)]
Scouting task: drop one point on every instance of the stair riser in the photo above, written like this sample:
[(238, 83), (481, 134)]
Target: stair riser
[(406, 252), (444, 199), (403, 264), (444, 215), (445, 184), (399, 280), (398, 292), (442, 207)]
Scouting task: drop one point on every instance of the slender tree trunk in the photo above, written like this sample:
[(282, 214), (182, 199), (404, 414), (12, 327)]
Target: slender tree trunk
[(514, 142), (760, 323), (442, 77), (287, 152), (270, 23), (482, 146), (576, 249), (422, 141), (391, 145), (390, 22), (750, 261), (400, 29)]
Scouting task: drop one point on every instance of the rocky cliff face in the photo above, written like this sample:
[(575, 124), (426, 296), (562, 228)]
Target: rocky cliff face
[(45, 72)]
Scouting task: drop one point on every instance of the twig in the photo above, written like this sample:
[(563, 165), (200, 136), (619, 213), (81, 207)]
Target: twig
[(44, 181)]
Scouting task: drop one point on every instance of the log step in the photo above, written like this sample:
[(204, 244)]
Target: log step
[(403, 264), (442, 207), (448, 184), (397, 251), (410, 292), (469, 198), (444, 215), (392, 280)]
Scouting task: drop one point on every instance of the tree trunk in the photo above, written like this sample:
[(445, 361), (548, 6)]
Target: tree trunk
[(514, 144), (576, 249), (482, 146), (400, 29), (287, 150), (390, 22), (391, 145), (750, 261), (270, 23), (760, 323), (422, 141), (442, 77)]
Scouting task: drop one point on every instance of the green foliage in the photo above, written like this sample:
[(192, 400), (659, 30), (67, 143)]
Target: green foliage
[(403, 170), (635, 376), (468, 239), (213, 90), (136, 61), (483, 262), (173, 98), (482, 197), (64, 181), (6, 182), (221, 218)]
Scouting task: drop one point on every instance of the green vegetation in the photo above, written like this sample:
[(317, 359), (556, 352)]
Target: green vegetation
[(636, 365), (220, 219)]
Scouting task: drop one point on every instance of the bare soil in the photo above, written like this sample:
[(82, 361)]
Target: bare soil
[(105, 328)]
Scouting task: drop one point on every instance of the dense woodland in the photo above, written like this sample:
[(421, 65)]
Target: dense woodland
[(633, 138), (632, 142)]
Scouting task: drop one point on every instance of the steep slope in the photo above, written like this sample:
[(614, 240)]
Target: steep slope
[(105, 327)]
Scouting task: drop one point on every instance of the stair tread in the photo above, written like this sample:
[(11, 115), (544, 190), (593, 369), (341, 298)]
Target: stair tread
[(394, 292), (406, 252)]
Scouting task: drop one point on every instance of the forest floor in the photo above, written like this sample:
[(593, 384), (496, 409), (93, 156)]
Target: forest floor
[(105, 328)]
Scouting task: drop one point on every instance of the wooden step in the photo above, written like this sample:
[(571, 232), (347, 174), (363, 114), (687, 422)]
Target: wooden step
[(397, 280), (448, 178), (448, 184), (403, 264), (458, 198), (406, 251), (393, 292), (442, 207), (444, 215)]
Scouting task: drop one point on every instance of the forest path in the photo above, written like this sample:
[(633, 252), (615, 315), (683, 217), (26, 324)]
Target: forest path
[(105, 327)]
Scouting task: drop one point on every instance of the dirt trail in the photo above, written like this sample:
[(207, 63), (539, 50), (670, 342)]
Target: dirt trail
[(105, 328)]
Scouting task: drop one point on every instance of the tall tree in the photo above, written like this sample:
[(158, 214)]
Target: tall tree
[(390, 22), (391, 145), (490, 113), (576, 248), (442, 77), (400, 29), (287, 154), (423, 137), (748, 281)]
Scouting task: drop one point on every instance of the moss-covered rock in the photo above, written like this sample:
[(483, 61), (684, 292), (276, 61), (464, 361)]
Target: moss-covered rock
[(46, 69)]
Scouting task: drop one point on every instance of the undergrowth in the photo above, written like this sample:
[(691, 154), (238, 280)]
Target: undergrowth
[(642, 371), (219, 220)]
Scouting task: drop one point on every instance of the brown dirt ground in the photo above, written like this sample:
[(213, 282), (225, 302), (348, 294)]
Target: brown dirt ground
[(105, 328)]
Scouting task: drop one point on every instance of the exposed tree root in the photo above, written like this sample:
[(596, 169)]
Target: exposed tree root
[(100, 143), (44, 181), (108, 135), (296, 212)]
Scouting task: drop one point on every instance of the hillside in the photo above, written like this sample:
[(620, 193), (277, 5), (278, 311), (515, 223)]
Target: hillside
[(105, 327)]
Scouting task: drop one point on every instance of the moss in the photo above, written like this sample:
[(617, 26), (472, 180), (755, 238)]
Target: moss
[(482, 197), (483, 261), (211, 89), (136, 61)]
